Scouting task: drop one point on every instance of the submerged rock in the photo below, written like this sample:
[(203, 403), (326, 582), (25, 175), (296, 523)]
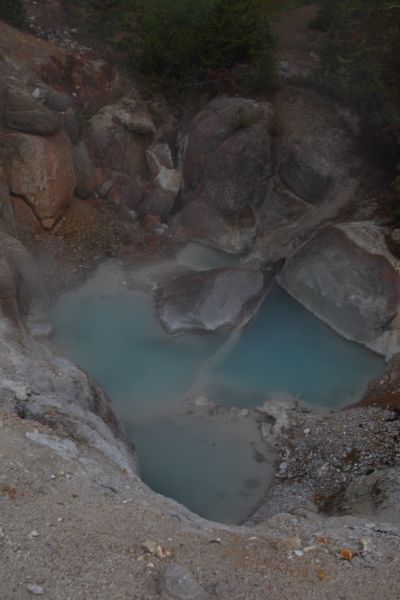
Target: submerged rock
[(210, 300), (347, 277)]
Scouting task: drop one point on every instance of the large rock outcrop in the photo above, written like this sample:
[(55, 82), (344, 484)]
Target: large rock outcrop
[(162, 193), (227, 158), (23, 112), (227, 164), (315, 146), (210, 300), (119, 134), (40, 170), (317, 172), (205, 224), (346, 276), (7, 220), (38, 385), (22, 293)]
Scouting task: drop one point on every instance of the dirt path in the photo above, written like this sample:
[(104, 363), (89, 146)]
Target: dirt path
[(296, 41)]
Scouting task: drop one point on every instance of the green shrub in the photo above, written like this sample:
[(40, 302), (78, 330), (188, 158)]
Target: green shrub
[(12, 11), (360, 58), (183, 40), (360, 63)]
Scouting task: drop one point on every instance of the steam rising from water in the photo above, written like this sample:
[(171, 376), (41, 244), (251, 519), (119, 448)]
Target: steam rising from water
[(167, 388)]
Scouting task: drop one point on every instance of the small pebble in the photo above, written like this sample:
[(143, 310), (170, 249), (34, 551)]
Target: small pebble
[(35, 589), (33, 534), (346, 554)]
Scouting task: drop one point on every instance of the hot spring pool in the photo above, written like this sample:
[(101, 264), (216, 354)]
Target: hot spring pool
[(215, 464)]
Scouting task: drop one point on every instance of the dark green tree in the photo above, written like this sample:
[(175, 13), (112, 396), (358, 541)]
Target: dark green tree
[(183, 39), (12, 11)]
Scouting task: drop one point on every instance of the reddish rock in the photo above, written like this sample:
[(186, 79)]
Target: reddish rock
[(94, 80), (38, 169), (52, 72), (385, 391), (48, 223), (151, 221), (25, 216)]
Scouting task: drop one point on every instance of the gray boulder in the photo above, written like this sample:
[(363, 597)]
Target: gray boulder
[(22, 291), (227, 159), (159, 155), (378, 492), (58, 101), (315, 146), (281, 208), (346, 276), (7, 221), (85, 176), (40, 386), (25, 113), (162, 193), (119, 135), (202, 223), (306, 173), (210, 300), (71, 125)]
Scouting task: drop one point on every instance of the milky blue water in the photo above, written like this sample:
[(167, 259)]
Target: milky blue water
[(287, 349), (207, 462)]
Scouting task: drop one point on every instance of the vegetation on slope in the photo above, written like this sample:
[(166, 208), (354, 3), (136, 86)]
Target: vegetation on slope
[(187, 42), (361, 63), (12, 11)]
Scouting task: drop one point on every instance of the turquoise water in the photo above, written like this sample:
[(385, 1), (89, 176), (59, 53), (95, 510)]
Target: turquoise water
[(207, 462), (208, 465), (286, 349)]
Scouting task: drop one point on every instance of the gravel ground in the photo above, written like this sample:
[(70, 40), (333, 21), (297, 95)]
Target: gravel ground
[(320, 455), (66, 537)]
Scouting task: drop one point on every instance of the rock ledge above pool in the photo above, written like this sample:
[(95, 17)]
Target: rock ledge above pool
[(347, 277), (210, 300)]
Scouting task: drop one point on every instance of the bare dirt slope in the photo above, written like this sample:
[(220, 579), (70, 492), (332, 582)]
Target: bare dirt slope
[(74, 538)]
